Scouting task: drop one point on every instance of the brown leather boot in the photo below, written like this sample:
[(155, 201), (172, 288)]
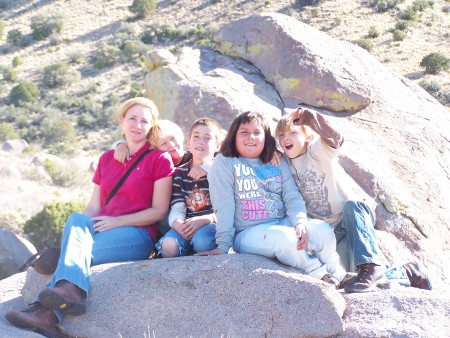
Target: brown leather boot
[(36, 318), (417, 277), (64, 296)]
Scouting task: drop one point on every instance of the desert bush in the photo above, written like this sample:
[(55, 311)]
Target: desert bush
[(133, 49), (59, 75), (409, 14), (107, 55), (366, 44), (14, 36), (315, 12), (2, 29), (382, 6), (143, 8), (56, 130), (136, 89), (61, 174), (9, 74), (402, 25), (3, 4), (373, 32), (43, 26), (24, 92), (12, 221), (434, 63), (75, 56), (431, 87), (17, 61), (129, 28), (162, 33), (7, 132), (337, 21), (421, 5), (45, 228), (398, 35)]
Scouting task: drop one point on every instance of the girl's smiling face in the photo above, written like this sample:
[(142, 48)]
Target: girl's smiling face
[(250, 139)]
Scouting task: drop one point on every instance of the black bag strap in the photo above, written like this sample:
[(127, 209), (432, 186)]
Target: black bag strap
[(124, 177)]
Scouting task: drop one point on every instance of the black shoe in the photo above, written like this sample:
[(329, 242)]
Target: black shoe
[(330, 280), (349, 276), (36, 318), (368, 277), (417, 277)]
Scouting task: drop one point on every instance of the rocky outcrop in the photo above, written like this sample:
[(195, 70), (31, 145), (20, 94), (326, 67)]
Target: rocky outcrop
[(397, 146), (232, 295), (15, 146), (14, 251)]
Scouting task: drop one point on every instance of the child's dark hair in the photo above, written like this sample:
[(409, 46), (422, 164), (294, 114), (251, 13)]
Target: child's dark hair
[(209, 122), (228, 148)]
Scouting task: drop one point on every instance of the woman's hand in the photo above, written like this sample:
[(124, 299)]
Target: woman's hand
[(212, 252), (122, 153), (302, 243), (104, 223)]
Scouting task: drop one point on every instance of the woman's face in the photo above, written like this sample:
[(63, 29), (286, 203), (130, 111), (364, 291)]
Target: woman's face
[(250, 139), (137, 123)]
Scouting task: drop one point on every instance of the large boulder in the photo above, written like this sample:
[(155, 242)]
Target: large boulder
[(14, 251), (235, 296), (203, 82), (396, 145)]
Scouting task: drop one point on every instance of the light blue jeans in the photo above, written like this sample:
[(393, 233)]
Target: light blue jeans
[(82, 247), (356, 241), (203, 240), (279, 240)]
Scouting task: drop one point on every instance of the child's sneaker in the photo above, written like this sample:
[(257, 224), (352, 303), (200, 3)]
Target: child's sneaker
[(330, 280)]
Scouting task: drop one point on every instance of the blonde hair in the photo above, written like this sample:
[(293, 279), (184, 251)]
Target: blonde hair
[(143, 101), (161, 127), (286, 123)]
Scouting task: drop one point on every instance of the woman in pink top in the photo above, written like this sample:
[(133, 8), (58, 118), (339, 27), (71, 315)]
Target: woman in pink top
[(122, 230)]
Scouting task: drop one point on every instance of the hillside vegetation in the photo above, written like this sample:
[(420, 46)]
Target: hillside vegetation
[(65, 65)]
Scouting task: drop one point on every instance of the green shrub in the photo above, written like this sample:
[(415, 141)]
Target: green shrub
[(398, 35), (402, 25), (45, 228), (431, 87), (61, 174), (409, 14), (135, 90), (384, 5), (57, 130), (315, 12), (7, 132), (337, 21), (373, 32), (43, 26), (132, 49), (366, 44), (9, 74), (24, 92), (2, 28), (107, 55), (75, 56), (59, 75), (17, 61), (434, 63), (143, 8), (14, 36), (421, 5)]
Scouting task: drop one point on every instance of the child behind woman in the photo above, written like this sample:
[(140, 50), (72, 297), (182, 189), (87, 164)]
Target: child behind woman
[(191, 216), (259, 210)]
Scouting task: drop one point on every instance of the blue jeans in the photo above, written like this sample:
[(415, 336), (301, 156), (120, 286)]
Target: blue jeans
[(203, 240), (356, 241), (82, 247)]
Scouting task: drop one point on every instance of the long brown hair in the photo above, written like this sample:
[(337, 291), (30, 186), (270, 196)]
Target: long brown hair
[(228, 148)]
